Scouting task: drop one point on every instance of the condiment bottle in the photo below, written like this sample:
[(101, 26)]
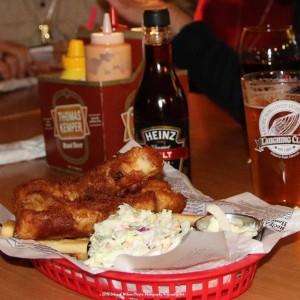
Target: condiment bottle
[(108, 57), (74, 61), (160, 106)]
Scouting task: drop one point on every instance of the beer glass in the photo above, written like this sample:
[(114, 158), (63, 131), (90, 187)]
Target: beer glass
[(272, 108), (264, 48)]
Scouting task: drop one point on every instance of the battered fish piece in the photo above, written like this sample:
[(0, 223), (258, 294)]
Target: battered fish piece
[(126, 172), (49, 218), (69, 209), (166, 198), (72, 219)]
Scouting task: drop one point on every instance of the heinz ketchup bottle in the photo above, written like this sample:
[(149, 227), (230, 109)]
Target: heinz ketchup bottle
[(160, 107)]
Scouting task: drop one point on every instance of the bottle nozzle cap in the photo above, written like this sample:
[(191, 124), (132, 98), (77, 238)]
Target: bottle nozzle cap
[(75, 55), (75, 48), (106, 25), (107, 37)]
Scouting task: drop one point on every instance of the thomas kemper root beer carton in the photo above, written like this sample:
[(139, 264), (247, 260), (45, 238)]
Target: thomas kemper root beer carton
[(85, 123)]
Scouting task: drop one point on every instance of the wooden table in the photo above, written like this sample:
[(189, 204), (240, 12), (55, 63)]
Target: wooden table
[(219, 169)]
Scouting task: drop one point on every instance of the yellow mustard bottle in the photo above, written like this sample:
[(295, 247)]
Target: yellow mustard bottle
[(74, 61), (108, 56)]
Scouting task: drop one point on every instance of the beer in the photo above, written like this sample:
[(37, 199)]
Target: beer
[(272, 109), (160, 107), (276, 178)]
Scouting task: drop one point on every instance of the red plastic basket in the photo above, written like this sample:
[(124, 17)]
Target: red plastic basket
[(226, 282)]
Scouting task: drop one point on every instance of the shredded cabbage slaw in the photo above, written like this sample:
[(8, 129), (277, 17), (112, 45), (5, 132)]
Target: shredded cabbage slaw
[(135, 232)]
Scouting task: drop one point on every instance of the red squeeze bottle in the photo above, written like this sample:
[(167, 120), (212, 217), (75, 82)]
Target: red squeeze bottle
[(115, 20)]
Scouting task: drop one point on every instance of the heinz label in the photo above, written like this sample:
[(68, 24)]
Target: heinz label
[(169, 141)]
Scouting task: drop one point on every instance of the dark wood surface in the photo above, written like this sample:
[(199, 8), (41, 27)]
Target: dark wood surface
[(219, 169)]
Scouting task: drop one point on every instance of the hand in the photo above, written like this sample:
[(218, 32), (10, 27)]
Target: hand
[(8, 67), (41, 67), (132, 11), (15, 60), (47, 62)]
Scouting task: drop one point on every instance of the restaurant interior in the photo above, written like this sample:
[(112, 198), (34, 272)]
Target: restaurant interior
[(82, 146)]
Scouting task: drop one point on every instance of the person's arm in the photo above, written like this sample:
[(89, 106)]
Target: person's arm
[(213, 67), (132, 11)]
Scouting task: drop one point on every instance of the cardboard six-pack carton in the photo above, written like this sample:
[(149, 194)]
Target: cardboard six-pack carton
[(85, 123)]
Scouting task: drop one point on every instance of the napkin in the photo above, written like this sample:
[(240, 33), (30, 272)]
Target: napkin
[(22, 150), (198, 251)]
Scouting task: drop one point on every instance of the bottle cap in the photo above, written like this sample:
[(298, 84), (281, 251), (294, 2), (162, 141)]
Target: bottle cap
[(75, 55), (107, 36), (156, 17)]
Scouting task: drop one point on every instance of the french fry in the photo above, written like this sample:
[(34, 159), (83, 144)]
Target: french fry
[(80, 256), (77, 247), (8, 229), (74, 247)]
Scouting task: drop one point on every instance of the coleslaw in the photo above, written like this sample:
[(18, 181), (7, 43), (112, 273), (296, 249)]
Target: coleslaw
[(137, 232)]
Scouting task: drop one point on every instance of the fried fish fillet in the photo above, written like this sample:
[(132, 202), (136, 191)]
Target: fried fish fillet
[(58, 218), (70, 209), (166, 197), (125, 172), (53, 218)]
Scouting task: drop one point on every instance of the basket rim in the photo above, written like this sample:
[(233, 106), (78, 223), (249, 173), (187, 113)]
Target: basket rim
[(143, 277)]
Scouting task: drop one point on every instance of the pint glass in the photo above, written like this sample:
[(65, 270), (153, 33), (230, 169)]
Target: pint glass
[(272, 108)]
